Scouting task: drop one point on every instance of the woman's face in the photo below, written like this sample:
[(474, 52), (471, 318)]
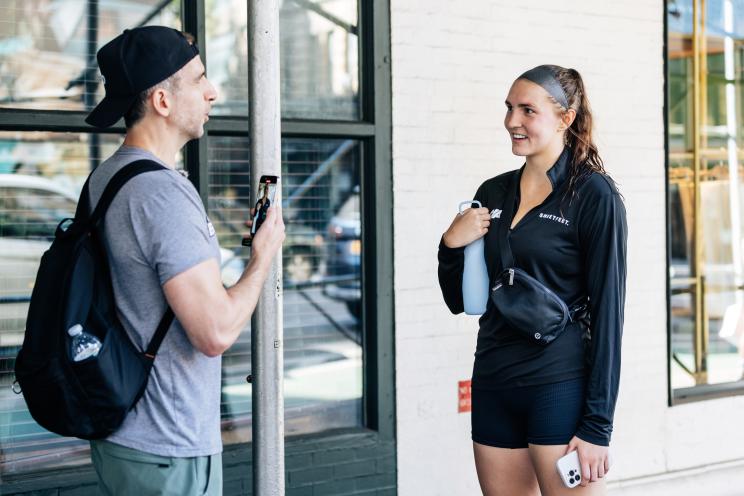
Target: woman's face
[(532, 119)]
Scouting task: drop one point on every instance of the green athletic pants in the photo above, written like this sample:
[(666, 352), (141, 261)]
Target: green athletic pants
[(126, 471)]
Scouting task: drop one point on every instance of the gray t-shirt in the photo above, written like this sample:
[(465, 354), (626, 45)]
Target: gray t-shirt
[(155, 229)]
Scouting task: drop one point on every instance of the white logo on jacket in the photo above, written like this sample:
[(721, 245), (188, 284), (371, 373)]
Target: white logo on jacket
[(495, 213), (555, 218)]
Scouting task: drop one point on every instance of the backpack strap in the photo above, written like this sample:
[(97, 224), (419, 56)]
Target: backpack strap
[(116, 183), (157, 338), (82, 211), (126, 173)]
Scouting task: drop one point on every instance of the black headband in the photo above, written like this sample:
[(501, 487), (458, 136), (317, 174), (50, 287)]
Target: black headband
[(542, 75)]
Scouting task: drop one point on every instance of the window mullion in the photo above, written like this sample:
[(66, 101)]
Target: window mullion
[(195, 154)]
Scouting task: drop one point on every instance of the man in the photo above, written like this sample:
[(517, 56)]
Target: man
[(162, 251)]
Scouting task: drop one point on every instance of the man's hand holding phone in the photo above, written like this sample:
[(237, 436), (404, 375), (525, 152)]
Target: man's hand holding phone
[(267, 240), (266, 224), (266, 196)]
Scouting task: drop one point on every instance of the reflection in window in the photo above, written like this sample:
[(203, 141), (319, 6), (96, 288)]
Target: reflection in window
[(319, 58), (322, 281), (41, 175), (46, 61), (32, 211), (706, 191)]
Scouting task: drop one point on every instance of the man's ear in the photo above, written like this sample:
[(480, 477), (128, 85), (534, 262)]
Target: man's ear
[(567, 119), (161, 101)]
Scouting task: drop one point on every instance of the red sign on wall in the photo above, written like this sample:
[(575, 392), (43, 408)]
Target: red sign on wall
[(463, 397)]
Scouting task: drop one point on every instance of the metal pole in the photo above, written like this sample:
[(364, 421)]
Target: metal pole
[(267, 329)]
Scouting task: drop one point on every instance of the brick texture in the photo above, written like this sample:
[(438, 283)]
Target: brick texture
[(350, 464), (452, 66)]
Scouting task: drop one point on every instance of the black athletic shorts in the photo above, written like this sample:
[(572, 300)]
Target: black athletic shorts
[(514, 417)]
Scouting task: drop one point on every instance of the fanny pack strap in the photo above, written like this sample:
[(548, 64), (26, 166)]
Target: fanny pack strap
[(507, 215), (578, 309)]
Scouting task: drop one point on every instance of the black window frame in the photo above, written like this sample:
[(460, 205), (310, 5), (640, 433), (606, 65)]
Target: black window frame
[(701, 392)]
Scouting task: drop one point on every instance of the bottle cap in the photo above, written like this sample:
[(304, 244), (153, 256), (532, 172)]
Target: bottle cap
[(75, 330)]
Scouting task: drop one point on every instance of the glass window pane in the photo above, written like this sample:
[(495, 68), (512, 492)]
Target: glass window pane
[(715, 101), (707, 301), (683, 329), (722, 45), (722, 177), (681, 212), (721, 210), (41, 175), (322, 281), (726, 331), (319, 65), (680, 76), (227, 55), (44, 58)]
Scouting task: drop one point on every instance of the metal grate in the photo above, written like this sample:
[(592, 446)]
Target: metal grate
[(41, 175), (47, 54), (319, 46), (322, 280)]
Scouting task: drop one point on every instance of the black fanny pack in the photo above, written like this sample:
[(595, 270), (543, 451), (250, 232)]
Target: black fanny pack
[(527, 305), (532, 308)]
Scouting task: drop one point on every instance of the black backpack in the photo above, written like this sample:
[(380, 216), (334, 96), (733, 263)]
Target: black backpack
[(87, 399)]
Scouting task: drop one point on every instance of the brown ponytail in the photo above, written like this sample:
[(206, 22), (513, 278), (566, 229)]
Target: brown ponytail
[(586, 159)]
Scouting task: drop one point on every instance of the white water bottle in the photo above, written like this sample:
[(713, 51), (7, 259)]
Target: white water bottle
[(474, 274), (84, 344)]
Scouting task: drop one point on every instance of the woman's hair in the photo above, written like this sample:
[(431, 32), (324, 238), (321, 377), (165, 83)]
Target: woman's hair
[(579, 138)]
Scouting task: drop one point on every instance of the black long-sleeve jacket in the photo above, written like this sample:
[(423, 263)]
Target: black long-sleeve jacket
[(576, 247)]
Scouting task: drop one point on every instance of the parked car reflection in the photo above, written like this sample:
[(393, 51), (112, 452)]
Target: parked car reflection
[(345, 255), (322, 354), (30, 209), (302, 255)]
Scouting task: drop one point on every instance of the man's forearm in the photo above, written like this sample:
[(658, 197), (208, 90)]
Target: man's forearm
[(212, 316), (244, 295)]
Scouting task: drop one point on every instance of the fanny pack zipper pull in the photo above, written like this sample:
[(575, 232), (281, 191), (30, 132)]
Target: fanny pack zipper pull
[(511, 277)]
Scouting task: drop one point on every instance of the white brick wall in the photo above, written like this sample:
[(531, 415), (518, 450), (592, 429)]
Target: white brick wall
[(453, 63)]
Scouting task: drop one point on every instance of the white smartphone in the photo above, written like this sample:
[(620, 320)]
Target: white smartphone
[(569, 469)]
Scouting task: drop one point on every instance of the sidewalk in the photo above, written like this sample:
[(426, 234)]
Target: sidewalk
[(719, 480)]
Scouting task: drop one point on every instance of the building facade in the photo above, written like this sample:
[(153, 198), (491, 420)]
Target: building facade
[(338, 328), (392, 113), (644, 66)]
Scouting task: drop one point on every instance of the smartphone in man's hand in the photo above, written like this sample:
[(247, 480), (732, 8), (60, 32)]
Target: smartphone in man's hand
[(266, 196)]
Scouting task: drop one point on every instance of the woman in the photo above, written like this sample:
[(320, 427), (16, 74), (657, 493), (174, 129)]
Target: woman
[(532, 404)]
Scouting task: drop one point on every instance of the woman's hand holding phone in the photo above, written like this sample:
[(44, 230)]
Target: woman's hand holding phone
[(472, 224), (594, 459)]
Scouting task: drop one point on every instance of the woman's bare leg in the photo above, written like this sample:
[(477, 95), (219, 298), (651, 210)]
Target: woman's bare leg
[(505, 472)]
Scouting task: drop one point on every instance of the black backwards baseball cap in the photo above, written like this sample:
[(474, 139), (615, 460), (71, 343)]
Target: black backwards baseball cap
[(134, 61)]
